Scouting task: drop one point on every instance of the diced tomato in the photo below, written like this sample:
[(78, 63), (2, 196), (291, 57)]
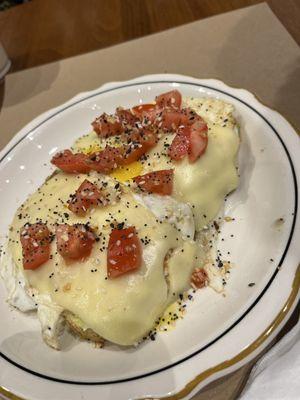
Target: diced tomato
[(74, 241), (180, 145), (126, 117), (140, 144), (198, 145), (172, 119), (106, 160), (35, 241), (124, 252), (70, 162), (149, 114), (199, 278), (198, 140), (144, 110), (35, 259), (107, 125), (86, 196), (169, 99), (191, 140), (160, 182)]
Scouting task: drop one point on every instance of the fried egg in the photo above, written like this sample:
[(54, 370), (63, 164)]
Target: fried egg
[(124, 310), (120, 310)]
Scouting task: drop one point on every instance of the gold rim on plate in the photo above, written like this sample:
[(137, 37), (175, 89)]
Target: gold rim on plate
[(226, 364), (248, 350)]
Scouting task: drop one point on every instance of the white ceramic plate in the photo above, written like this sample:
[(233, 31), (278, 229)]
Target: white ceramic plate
[(218, 334)]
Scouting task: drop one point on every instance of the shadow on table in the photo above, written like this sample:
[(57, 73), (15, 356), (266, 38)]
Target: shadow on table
[(288, 95), (242, 59), (29, 83)]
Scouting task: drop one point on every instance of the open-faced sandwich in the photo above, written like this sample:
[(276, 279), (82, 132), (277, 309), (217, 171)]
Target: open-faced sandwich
[(122, 228)]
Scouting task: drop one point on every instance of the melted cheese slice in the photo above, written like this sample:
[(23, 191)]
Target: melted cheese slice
[(205, 183), (121, 310)]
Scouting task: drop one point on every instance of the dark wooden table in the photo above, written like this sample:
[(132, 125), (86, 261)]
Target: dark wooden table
[(42, 31)]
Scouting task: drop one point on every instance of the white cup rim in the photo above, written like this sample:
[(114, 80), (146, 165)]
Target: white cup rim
[(5, 69)]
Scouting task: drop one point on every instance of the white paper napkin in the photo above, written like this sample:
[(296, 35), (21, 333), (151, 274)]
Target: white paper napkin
[(276, 376)]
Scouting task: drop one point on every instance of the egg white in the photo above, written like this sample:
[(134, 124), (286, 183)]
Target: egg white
[(165, 208)]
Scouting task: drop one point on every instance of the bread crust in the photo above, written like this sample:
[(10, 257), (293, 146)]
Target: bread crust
[(85, 334)]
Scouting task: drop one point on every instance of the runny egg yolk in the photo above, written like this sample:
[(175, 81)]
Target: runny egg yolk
[(92, 148), (122, 174), (127, 172)]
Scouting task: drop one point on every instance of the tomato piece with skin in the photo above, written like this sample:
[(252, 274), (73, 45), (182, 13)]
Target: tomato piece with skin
[(172, 119), (37, 258), (126, 117), (198, 140), (74, 241), (169, 99), (180, 145), (140, 144), (147, 113), (143, 110), (159, 182), (73, 163), (107, 125), (124, 252), (199, 278), (106, 160), (191, 140), (35, 240), (198, 145), (86, 196)]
